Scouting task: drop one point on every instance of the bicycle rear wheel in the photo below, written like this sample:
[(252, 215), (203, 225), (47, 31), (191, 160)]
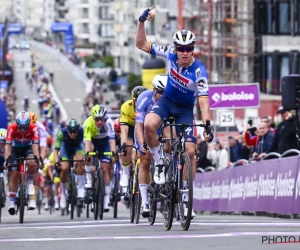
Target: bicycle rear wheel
[(167, 203), (22, 198), (152, 197), (187, 192), (87, 202), (131, 199), (38, 198), (116, 193)]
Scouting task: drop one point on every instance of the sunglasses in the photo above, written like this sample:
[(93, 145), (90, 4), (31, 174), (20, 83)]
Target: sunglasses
[(160, 91), (73, 131), (23, 127), (97, 119), (187, 48)]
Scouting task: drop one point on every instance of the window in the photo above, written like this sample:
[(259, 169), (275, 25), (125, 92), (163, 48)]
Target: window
[(269, 19), (85, 28), (85, 13), (103, 13), (284, 23), (269, 74), (105, 30), (284, 66)]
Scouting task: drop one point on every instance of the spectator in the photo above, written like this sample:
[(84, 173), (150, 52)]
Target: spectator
[(212, 154), (201, 152), (245, 154), (264, 141), (285, 136), (268, 122), (235, 149), (222, 156)]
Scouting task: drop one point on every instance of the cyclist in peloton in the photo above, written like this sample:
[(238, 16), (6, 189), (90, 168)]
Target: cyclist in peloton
[(187, 79), (2, 146), (127, 118), (69, 143), (99, 131), (144, 103), (22, 140)]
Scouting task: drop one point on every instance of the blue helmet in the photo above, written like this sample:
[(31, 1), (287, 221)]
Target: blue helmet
[(23, 118)]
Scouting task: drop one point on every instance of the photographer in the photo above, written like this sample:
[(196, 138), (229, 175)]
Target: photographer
[(264, 141)]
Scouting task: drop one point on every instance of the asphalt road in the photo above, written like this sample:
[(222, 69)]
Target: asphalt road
[(48, 232), (206, 232), (68, 89)]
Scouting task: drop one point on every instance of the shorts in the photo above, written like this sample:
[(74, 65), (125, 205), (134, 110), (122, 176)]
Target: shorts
[(166, 108), (1, 163), (67, 152), (130, 135), (102, 145), (17, 152)]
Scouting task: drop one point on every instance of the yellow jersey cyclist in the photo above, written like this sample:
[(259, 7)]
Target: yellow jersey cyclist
[(127, 119), (51, 176), (69, 143), (99, 132)]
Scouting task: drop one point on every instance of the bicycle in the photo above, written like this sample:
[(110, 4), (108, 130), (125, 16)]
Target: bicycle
[(72, 189), (98, 185), (22, 196), (115, 195), (153, 194), (2, 191), (173, 189), (133, 196)]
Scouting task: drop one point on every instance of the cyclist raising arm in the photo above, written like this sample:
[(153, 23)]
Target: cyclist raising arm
[(187, 79)]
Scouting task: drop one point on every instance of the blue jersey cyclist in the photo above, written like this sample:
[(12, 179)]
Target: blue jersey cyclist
[(187, 79), (69, 143), (144, 103)]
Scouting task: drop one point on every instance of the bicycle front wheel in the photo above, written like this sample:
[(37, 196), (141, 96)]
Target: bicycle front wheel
[(185, 194), (2, 191), (73, 195), (99, 195), (116, 193), (22, 198), (137, 197)]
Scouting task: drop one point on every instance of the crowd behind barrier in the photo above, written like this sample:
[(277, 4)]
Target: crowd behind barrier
[(271, 185)]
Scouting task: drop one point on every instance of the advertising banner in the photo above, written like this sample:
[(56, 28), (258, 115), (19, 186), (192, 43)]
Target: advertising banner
[(234, 96), (67, 29)]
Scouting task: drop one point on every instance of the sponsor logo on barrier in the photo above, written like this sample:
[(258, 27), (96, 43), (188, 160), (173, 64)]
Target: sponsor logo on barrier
[(257, 185)]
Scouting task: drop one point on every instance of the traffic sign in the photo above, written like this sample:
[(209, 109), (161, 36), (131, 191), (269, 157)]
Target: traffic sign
[(226, 118)]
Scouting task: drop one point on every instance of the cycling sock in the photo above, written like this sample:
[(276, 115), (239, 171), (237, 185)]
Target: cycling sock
[(184, 184), (30, 178), (56, 199), (107, 192), (125, 169), (80, 181), (12, 198), (88, 170), (144, 190), (156, 155), (63, 188)]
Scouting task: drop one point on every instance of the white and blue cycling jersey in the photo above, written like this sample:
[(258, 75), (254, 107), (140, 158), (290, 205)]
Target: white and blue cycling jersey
[(143, 105), (185, 86)]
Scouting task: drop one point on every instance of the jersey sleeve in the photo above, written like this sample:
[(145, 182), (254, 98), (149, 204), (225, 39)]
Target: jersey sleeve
[(140, 111), (202, 81), (124, 119), (157, 50), (35, 135), (110, 129), (59, 140), (87, 133), (10, 134), (43, 135)]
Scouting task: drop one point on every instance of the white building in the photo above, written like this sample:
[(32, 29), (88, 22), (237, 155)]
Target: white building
[(6, 9)]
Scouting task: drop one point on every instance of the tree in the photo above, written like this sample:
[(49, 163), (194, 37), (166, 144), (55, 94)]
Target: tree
[(133, 81), (108, 61)]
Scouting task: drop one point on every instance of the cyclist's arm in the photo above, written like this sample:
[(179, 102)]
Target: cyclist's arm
[(58, 142), (50, 171), (111, 135), (87, 136), (202, 89), (7, 151), (139, 120), (8, 141), (124, 124), (36, 142)]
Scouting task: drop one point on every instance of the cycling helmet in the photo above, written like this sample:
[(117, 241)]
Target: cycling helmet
[(137, 91), (160, 82), (117, 125), (184, 37), (33, 117), (23, 118), (98, 111), (2, 135), (73, 125)]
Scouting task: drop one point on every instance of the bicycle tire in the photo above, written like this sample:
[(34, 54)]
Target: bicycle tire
[(21, 197), (185, 221), (72, 198), (78, 211), (38, 200), (87, 203), (153, 202), (99, 196), (1, 194), (137, 195), (131, 200), (168, 202), (116, 193)]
